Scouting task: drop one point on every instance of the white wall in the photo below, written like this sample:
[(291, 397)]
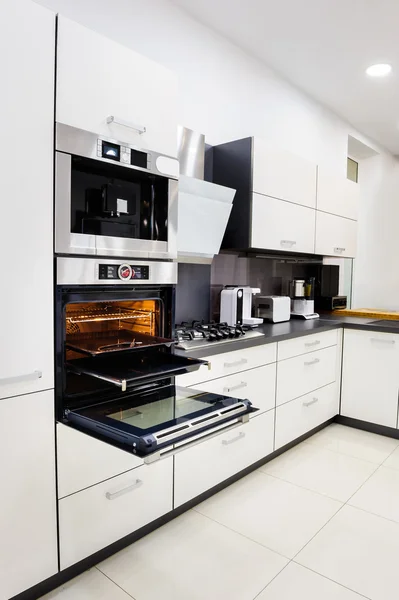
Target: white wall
[(227, 94)]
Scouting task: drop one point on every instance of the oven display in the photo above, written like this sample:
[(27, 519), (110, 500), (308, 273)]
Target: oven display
[(124, 272)]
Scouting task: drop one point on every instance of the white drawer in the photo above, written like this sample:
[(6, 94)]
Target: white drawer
[(302, 374), (303, 414), (83, 461), (100, 515), (203, 466), (306, 343), (257, 385), (229, 363)]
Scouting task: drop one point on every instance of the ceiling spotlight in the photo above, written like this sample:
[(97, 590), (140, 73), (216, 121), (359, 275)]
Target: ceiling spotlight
[(380, 70)]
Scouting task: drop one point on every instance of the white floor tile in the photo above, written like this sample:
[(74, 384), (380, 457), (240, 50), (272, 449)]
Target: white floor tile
[(354, 442), (359, 551), (193, 558), (393, 460), (335, 475), (296, 582), (380, 494), (88, 586), (277, 514)]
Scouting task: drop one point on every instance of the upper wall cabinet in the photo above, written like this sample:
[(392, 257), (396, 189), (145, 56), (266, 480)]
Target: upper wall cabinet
[(335, 236), (27, 45), (337, 195), (281, 174), (98, 78)]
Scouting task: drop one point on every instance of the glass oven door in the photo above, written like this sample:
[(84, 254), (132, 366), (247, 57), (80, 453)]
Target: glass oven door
[(146, 421)]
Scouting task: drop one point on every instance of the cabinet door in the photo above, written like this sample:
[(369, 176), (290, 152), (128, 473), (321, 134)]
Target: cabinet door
[(335, 236), (370, 377), (26, 222), (98, 78), (279, 225), (281, 174), (28, 525), (337, 195)]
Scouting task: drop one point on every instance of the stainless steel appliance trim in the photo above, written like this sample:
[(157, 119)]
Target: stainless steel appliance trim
[(172, 218), (191, 152), (112, 119), (21, 378), (72, 140), (85, 271), (133, 486), (172, 451)]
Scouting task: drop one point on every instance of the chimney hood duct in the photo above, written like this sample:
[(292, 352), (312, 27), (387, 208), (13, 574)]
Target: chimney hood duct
[(203, 207)]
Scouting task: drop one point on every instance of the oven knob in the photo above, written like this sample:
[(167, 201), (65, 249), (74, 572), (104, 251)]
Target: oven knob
[(125, 272), (133, 273)]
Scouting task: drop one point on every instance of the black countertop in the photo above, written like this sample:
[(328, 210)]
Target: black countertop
[(278, 332)]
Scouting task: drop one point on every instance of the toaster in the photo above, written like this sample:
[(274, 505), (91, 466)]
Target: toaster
[(273, 308)]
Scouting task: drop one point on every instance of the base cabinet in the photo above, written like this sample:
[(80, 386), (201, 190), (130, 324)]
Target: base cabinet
[(28, 522), (211, 461), (370, 377), (100, 515)]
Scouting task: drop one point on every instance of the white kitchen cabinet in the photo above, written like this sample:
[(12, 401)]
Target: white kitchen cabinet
[(83, 461), (301, 415), (102, 514), (98, 78), (335, 236), (306, 343), (337, 195), (213, 460), (256, 385), (280, 225), (370, 377), (28, 522), (281, 174), (27, 45), (302, 374)]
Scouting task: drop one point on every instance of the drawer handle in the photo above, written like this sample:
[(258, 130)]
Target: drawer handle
[(240, 436), (289, 243), (134, 486), (311, 402), (311, 362), (339, 250), (382, 341), (139, 128), (21, 378), (310, 344), (239, 386), (237, 363)]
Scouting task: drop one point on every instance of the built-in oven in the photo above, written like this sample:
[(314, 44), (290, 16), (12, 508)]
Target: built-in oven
[(113, 199), (115, 360)]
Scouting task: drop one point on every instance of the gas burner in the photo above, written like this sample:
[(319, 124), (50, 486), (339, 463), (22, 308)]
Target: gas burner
[(197, 334)]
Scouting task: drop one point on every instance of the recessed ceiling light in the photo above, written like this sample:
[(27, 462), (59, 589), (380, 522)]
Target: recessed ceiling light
[(380, 70)]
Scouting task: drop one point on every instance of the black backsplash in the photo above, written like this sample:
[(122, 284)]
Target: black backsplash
[(193, 292)]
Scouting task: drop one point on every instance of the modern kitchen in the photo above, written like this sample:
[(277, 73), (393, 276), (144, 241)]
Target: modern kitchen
[(199, 366)]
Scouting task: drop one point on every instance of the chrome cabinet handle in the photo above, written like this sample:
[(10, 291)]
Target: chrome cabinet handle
[(239, 386), (310, 344), (382, 341), (139, 128), (240, 436), (112, 495), (339, 250), (310, 402), (312, 362), (21, 378), (237, 363), (289, 243)]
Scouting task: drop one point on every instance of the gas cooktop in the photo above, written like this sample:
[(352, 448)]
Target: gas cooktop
[(198, 334)]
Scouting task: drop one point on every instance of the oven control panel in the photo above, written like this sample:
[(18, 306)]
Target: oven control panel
[(123, 272)]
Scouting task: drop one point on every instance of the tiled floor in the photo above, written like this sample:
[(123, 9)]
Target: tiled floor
[(321, 522)]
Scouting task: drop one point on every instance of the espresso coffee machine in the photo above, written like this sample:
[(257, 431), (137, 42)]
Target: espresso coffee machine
[(302, 298)]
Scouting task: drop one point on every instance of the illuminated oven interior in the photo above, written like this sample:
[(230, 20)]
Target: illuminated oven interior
[(98, 327)]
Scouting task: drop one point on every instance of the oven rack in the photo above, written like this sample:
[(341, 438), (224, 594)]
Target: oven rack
[(103, 342), (107, 313)]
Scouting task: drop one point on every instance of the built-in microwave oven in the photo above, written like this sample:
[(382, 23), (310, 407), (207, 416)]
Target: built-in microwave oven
[(113, 199)]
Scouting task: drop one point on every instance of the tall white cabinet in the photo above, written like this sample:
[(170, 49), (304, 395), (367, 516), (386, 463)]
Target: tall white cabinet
[(28, 552)]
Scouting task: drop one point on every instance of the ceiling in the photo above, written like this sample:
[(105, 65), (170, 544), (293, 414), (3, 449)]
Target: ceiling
[(323, 47)]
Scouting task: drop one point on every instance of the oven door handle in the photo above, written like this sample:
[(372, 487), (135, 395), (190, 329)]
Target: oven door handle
[(22, 378), (172, 451)]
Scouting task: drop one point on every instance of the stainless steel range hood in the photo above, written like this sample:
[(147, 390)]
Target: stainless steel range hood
[(203, 207)]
